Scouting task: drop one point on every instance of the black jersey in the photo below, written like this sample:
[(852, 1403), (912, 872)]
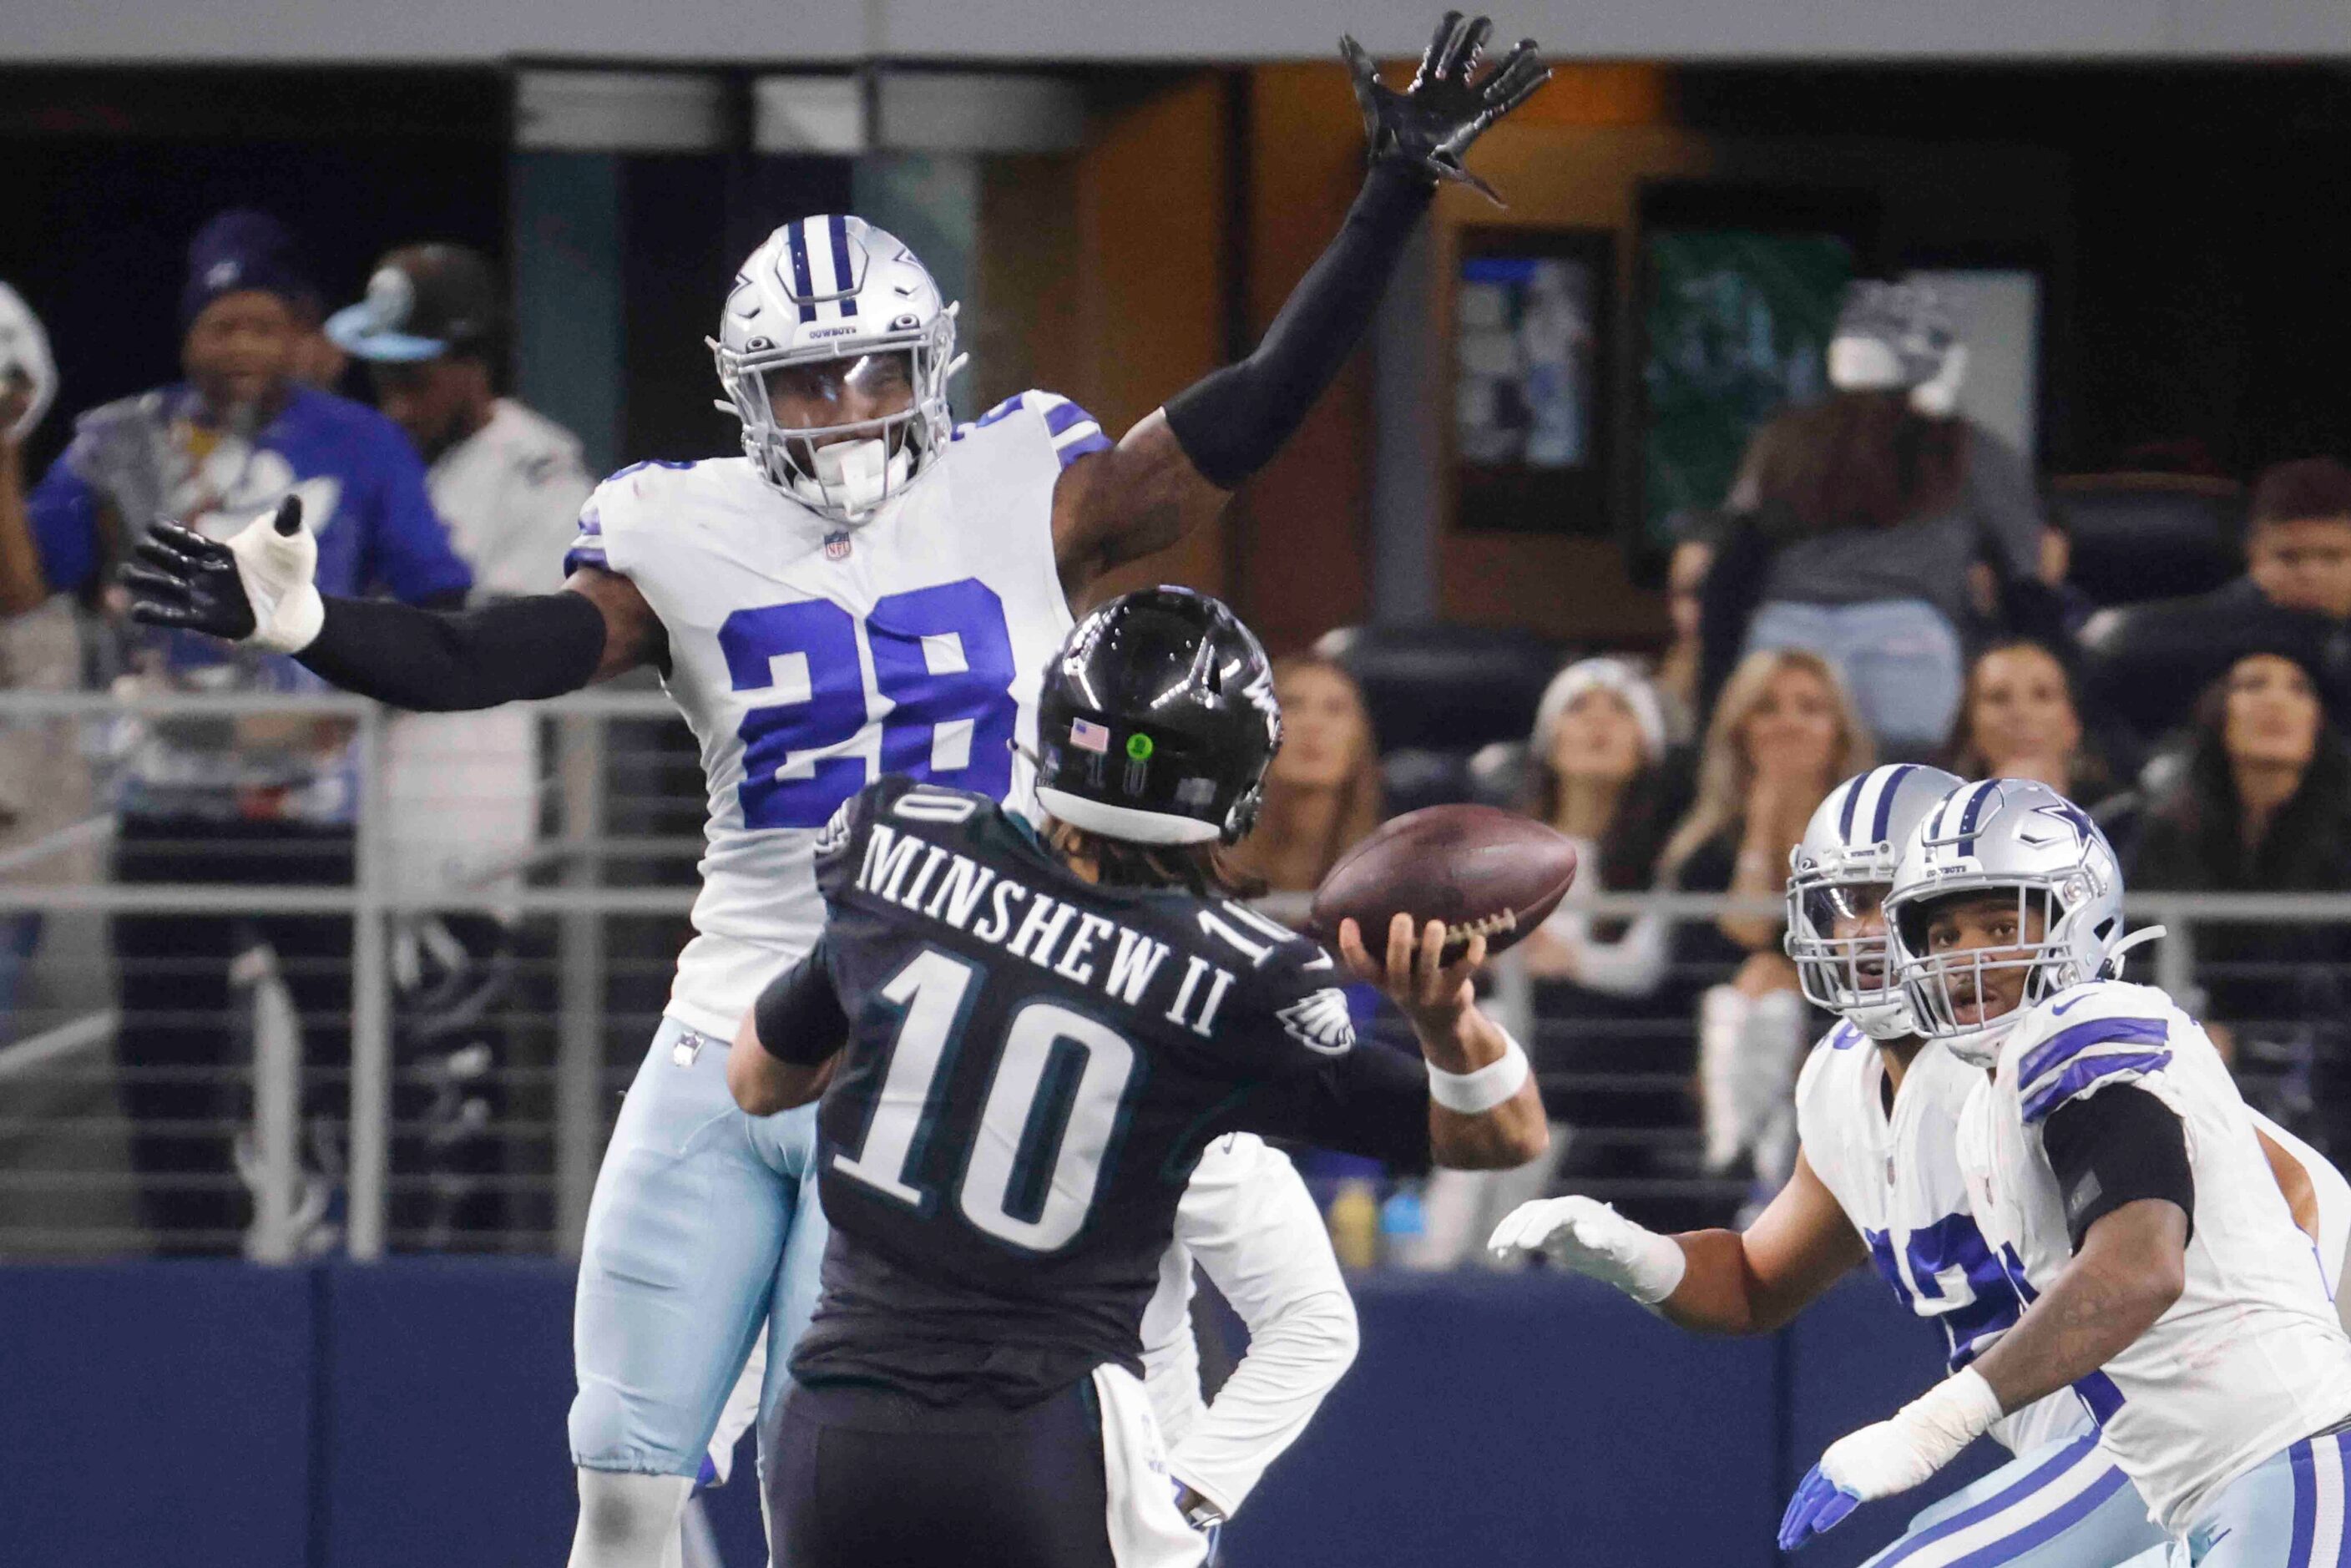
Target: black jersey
[(1033, 1065)]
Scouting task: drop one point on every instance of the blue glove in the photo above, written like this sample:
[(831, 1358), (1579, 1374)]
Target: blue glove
[(1819, 1504)]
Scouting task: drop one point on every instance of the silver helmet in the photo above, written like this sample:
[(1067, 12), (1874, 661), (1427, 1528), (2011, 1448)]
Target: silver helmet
[(836, 298), (2003, 836), (1848, 850)]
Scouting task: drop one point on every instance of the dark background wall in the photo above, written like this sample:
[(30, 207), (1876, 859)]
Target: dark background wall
[(222, 1416)]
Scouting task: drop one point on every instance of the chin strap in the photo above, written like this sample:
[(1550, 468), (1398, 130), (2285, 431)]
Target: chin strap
[(2112, 968)]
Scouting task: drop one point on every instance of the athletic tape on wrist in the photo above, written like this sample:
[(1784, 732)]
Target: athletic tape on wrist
[(1475, 1093)]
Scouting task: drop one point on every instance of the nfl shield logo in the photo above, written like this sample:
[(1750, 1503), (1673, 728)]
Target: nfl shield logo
[(836, 546)]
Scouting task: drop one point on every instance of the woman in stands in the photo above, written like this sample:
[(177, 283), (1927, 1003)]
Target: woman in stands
[(2263, 805), (1598, 770), (1862, 515), (1322, 792), (2020, 718), (1784, 731)]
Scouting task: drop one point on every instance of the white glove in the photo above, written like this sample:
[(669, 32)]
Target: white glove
[(278, 560), (1589, 1236), (255, 589), (1892, 1456), (25, 350)]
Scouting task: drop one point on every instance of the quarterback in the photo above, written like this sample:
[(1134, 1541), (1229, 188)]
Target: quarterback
[(867, 591)]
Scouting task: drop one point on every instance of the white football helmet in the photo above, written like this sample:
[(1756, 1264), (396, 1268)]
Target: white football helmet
[(2003, 836), (1850, 848), (836, 289)]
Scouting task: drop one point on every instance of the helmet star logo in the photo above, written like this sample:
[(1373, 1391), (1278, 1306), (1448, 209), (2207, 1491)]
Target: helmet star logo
[(2071, 817)]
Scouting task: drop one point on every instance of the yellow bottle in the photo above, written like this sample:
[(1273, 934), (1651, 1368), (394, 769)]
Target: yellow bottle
[(1354, 1220)]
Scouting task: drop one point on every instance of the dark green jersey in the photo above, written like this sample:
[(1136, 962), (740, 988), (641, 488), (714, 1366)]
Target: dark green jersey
[(1033, 1066)]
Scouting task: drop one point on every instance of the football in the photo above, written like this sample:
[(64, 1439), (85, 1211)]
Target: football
[(1477, 868)]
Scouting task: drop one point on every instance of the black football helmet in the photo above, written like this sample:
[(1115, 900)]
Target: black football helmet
[(1157, 722)]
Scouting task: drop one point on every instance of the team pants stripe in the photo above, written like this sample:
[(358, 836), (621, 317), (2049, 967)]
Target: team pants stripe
[(2318, 1491), (2053, 1496)]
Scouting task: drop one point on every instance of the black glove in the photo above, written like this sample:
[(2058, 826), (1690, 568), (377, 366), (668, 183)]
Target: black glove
[(1430, 124), (185, 580)]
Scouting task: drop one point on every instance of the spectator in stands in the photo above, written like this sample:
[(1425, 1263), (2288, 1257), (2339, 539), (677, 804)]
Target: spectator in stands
[(2019, 718), (1322, 792), (1853, 522), (462, 787), (1783, 735), (2295, 597), (1679, 671), (1598, 772), (34, 650), (262, 799), (2263, 806)]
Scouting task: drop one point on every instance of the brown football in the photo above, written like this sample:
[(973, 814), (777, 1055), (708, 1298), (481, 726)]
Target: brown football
[(1477, 868)]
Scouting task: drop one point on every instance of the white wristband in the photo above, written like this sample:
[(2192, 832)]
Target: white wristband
[(1951, 1416), (1475, 1093)]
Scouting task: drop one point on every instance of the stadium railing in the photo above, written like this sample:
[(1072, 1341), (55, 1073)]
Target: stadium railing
[(521, 1058)]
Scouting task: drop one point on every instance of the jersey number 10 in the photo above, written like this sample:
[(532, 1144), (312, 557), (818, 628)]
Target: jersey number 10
[(1044, 1129), (942, 659)]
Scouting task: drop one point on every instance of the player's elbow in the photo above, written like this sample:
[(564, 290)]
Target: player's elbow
[(755, 1079), (1326, 1325)]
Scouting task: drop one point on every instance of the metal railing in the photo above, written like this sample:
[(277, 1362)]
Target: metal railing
[(599, 899)]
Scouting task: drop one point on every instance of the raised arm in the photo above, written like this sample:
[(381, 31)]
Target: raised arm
[(258, 588), (1174, 470), (1484, 1111)]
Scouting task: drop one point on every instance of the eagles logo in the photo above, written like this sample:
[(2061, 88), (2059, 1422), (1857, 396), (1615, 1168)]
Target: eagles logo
[(1320, 1022), (835, 834)]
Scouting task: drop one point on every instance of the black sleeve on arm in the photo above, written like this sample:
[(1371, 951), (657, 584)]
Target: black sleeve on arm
[(1373, 1101), (434, 662), (2114, 1147), (799, 1016), (1231, 423)]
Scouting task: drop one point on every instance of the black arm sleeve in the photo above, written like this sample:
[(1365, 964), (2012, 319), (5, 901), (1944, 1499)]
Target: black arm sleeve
[(434, 661), (2115, 1147), (1231, 423), (799, 1016), (1373, 1101)]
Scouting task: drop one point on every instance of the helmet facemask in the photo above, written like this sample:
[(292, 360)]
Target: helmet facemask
[(845, 471), (1852, 976), (1948, 990)]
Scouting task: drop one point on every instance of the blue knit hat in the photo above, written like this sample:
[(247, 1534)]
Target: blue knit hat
[(241, 249)]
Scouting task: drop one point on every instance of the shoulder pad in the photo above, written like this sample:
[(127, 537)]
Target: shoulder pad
[(2104, 1032), (1074, 431)]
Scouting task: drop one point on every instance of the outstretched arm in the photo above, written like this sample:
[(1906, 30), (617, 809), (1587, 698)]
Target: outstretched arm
[(257, 589), (1175, 469), (1710, 1282)]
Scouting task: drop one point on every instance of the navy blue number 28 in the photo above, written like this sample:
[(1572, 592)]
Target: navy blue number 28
[(942, 658)]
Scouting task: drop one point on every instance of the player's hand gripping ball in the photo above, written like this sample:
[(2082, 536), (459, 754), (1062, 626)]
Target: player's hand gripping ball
[(1482, 872), (1430, 125)]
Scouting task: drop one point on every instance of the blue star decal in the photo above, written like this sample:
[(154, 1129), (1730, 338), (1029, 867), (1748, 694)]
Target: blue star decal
[(2074, 820)]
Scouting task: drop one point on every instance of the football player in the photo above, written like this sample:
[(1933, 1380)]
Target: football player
[(867, 591), (1023, 1040), (1877, 1177), (2121, 1183), (1246, 1221)]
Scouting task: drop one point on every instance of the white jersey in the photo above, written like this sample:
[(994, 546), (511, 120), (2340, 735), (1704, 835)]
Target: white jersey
[(2250, 1358), (1897, 1179), (811, 659), (510, 495), (1249, 1222)]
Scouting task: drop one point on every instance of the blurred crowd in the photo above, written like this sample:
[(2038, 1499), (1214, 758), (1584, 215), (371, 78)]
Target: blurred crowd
[(1886, 580)]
